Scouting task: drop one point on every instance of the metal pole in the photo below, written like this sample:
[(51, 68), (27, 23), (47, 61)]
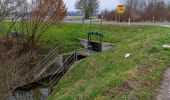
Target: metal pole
[(102, 23), (83, 22), (76, 56), (88, 38), (90, 24)]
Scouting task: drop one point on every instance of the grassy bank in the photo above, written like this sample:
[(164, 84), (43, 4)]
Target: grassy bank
[(109, 75)]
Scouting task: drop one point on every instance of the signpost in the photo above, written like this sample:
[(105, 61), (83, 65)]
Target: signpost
[(120, 10)]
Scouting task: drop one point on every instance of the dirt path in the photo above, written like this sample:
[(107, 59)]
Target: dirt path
[(164, 92)]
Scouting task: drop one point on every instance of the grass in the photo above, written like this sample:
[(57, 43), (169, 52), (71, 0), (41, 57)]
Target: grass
[(108, 75)]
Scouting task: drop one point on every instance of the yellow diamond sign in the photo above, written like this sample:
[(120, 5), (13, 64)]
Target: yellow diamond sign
[(121, 9)]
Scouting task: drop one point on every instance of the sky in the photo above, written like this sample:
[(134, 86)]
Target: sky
[(104, 4)]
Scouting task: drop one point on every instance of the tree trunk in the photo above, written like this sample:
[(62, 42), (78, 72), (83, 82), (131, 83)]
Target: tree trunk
[(87, 16)]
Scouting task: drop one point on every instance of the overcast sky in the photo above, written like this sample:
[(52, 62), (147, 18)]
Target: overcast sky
[(104, 4)]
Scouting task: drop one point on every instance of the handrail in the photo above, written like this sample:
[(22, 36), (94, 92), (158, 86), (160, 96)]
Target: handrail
[(50, 54), (65, 68), (68, 57), (64, 65), (53, 81), (46, 59), (44, 63), (41, 64), (66, 61)]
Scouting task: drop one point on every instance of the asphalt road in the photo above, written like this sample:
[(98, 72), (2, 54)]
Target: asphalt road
[(164, 24)]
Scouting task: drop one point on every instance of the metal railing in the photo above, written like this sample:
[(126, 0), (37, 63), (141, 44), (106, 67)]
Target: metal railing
[(42, 66), (45, 62), (49, 59), (57, 75), (61, 70)]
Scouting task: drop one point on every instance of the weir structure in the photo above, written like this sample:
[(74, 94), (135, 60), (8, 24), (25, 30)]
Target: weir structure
[(94, 45)]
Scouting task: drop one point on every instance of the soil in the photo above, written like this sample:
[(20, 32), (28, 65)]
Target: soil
[(164, 91)]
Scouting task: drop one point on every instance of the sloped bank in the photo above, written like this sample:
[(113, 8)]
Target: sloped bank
[(110, 76)]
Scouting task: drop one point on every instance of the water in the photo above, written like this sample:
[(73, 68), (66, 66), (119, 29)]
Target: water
[(33, 94)]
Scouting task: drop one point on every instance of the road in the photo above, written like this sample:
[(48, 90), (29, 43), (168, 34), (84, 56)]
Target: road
[(97, 21)]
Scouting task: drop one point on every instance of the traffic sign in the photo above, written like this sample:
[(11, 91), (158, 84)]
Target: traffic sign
[(121, 9)]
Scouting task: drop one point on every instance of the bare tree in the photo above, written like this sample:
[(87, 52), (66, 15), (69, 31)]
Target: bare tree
[(156, 10), (161, 11), (131, 7), (108, 15), (36, 19), (28, 23), (168, 12), (145, 10), (87, 7), (4, 9)]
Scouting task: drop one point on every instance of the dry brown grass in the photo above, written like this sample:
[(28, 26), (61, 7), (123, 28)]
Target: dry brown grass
[(14, 66)]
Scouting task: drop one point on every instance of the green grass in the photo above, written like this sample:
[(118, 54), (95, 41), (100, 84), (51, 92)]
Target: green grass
[(108, 75)]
